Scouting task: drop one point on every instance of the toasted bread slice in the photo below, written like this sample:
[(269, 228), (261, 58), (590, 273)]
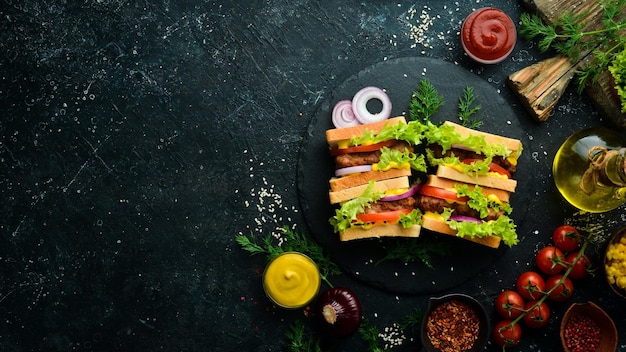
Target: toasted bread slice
[(446, 183), (506, 184), (339, 183), (392, 230), (353, 192), (335, 135), (433, 223)]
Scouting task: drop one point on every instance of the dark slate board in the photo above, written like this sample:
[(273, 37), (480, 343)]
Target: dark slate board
[(399, 77)]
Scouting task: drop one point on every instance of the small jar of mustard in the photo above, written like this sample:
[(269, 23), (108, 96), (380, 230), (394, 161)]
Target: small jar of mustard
[(291, 280)]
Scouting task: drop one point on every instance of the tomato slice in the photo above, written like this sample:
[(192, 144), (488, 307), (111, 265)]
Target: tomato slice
[(437, 192), (493, 167), (361, 148), (382, 217)]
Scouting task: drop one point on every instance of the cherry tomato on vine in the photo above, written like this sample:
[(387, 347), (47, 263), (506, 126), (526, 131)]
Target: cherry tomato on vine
[(581, 267), (530, 285), (506, 334), (538, 314), (566, 238), (549, 260), (509, 304), (563, 290)]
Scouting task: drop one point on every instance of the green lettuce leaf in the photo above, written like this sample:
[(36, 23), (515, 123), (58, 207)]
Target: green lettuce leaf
[(503, 227), (390, 158), (348, 211), (480, 202), (411, 219)]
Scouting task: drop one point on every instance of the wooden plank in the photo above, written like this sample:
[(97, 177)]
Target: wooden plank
[(541, 85), (541, 92)]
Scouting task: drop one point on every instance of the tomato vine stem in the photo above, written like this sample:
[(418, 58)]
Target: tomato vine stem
[(546, 294)]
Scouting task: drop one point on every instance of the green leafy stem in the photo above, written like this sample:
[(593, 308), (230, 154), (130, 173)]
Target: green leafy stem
[(292, 241), (568, 37)]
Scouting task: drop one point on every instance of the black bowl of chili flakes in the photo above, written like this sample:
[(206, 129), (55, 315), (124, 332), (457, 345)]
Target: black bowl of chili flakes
[(455, 322)]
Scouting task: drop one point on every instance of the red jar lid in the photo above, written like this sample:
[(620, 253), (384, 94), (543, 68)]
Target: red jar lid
[(488, 35)]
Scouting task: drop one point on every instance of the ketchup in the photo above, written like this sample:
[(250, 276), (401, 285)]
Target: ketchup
[(488, 35)]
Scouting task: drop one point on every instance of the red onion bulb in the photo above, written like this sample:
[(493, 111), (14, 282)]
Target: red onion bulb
[(339, 311)]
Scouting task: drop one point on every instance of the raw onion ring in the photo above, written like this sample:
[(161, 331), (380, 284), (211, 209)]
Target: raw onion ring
[(353, 169), (359, 105), (406, 194), (343, 116), (464, 218)]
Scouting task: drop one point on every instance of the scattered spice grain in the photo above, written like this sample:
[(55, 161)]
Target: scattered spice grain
[(453, 327), (582, 334)]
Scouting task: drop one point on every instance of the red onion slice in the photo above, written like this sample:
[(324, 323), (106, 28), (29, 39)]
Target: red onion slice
[(343, 116), (353, 169), (465, 218), (359, 105), (406, 194)]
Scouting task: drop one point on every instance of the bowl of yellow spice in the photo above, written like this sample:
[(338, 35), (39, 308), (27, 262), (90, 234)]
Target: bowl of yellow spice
[(615, 262)]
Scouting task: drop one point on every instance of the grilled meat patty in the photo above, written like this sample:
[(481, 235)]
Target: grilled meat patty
[(469, 154), (381, 206), (437, 205), (367, 158)]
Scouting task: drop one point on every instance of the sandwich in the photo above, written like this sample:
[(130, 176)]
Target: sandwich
[(468, 195), (372, 185), (474, 156), (476, 213)]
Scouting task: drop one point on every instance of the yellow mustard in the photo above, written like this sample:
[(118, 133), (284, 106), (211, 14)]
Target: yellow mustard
[(291, 280)]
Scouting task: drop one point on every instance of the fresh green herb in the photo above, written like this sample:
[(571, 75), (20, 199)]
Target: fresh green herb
[(369, 333), (292, 242), (568, 37), (394, 335), (412, 320), (410, 251), (299, 341), (425, 101), (267, 247), (466, 110)]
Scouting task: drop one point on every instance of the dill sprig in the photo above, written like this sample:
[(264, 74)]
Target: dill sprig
[(410, 251), (299, 341), (568, 37), (467, 108), (425, 101), (292, 241), (369, 333), (412, 320)]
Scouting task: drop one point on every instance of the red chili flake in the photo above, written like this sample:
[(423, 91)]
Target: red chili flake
[(453, 326), (242, 298), (582, 334)]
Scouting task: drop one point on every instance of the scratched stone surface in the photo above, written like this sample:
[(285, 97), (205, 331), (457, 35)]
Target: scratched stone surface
[(138, 138)]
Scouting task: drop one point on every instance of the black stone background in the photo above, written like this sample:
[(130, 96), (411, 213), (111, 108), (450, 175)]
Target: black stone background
[(138, 138)]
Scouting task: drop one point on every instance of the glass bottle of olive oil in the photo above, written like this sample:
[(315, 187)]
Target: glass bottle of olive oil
[(589, 169)]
